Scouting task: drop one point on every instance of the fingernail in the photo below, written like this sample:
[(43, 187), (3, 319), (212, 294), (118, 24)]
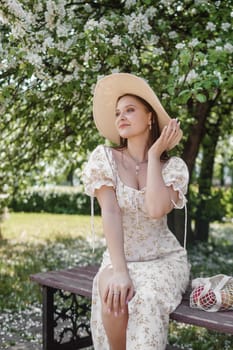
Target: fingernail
[(116, 314), (122, 311), (109, 311)]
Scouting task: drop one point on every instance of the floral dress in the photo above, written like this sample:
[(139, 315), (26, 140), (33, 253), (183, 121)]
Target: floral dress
[(157, 263)]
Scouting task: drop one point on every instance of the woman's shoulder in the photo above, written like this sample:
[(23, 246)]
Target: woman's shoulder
[(175, 164), (175, 161)]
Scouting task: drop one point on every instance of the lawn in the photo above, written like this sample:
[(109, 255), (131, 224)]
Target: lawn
[(38, 242)]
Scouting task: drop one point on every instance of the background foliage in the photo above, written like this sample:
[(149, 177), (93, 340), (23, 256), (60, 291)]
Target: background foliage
[(52, 53)]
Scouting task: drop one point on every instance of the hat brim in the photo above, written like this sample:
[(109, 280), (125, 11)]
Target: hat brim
[(106, 94)]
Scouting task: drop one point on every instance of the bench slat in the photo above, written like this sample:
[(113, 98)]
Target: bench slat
[(78, 280), (221, 321)]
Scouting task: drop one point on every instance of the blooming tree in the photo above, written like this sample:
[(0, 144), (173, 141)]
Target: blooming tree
[(52, 53)]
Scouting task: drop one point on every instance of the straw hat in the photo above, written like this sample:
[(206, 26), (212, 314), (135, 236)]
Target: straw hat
[(106, 94)]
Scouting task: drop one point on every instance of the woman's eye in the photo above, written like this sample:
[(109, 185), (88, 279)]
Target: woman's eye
[(129, 110)]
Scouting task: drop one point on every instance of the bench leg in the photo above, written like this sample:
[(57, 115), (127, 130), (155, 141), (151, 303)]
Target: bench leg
[(48, 321), (55, 314)]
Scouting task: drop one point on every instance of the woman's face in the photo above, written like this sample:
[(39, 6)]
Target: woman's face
[(132, 118)]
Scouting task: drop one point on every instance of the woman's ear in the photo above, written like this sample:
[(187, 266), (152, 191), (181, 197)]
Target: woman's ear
[(150, 121)]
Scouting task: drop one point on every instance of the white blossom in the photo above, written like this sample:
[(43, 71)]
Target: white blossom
[(179, 8), (68, 78), (151, 12), (172, 35), (204, 62), (219, 48), (175, 63), (86, 57), (135, 60), (165, 96), (5, 187), (138, 23), (64, 46), (61, 9), (16, 8), (3, 19), (211, 43), (219, 76), (191, 76), (4, 195), (201, 2), (48, 43), (174, 67), (104, 23), (63, 30), (34, 59), (210, 26), (225, 26), (130, 3), (158, 51), (50, 14), (228, 47), (76, 73), (88, 8), (166, 2), (18, 30), (90, 25), (116, 40), (180, 46), (115, 70), (194, 42), (153, 40), (193, 11)]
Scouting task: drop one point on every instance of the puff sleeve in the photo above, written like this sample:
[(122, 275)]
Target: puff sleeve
[(175, 173), (97, 171)]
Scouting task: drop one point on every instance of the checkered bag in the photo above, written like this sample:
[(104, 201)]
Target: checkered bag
[(212, 293)]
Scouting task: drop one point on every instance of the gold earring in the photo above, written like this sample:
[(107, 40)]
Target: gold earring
[(150, 126)]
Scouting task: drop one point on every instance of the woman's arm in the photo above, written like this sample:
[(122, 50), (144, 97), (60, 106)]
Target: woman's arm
[(159, 198), (112, 225)]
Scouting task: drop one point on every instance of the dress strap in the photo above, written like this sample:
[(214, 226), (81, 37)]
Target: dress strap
[(185, 224), (93, 235)]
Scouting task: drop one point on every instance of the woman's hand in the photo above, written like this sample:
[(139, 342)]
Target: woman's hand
[(167, 138), (119, 292)]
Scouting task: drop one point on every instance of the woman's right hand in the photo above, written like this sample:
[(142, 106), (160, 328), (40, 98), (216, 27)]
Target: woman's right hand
[(119, 292)]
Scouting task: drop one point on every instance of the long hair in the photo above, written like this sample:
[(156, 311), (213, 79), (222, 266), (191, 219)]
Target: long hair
[(154, 130)]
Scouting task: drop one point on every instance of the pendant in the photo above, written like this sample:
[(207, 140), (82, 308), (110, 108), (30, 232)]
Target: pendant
[(137, 168)]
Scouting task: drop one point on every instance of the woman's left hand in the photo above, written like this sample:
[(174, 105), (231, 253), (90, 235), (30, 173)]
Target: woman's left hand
[(167, 138)]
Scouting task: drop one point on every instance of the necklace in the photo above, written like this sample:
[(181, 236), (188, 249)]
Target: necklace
[(138, 164)]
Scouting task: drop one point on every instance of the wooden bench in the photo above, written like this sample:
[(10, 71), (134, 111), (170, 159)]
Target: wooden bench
[(66, 310)]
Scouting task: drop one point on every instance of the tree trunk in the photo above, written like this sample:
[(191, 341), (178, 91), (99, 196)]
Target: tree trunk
[(200, 112), (205, 180)]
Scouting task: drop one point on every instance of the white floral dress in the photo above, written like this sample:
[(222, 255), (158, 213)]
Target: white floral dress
[(157, 263)]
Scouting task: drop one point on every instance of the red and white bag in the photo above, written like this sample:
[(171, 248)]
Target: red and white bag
[(212, 293)]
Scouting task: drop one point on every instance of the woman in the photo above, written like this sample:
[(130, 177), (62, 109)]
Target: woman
[(144, 269)]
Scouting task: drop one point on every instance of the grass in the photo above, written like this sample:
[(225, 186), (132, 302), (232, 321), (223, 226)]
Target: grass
[(38, 242), (34, 227)]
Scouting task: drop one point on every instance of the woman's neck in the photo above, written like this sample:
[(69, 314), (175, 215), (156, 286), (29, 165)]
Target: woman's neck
[(137, 151)]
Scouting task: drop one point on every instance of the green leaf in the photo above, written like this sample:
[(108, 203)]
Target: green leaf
[(201, 98)]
